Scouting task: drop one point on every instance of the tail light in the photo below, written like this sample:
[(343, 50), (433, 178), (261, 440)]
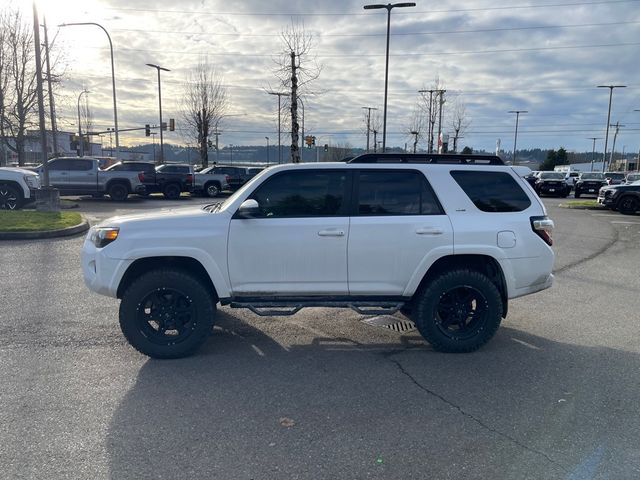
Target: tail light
[(543, 227), (141, 177), (189, 178)]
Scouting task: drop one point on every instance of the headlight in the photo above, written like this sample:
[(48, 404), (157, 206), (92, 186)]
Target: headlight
[(33, 181), (103, 236)]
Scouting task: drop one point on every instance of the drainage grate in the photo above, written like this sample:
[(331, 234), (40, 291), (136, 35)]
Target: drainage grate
[(392, 323)]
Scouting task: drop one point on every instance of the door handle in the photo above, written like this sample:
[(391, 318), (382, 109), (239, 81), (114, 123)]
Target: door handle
[(430, 231), (331, 233)]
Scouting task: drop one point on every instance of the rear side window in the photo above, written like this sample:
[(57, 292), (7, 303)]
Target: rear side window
[(395, 193), (492, 191)]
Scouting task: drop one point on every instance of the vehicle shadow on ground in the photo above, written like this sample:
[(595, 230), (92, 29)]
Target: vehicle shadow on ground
[(247, 407)]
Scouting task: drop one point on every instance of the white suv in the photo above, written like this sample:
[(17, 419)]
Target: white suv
[(446, 240), (17, 187)]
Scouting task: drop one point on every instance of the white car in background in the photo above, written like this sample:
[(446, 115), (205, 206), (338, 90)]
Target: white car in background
[(17, 187)]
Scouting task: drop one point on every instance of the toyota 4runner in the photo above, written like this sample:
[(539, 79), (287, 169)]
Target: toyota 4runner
[(446, 240)]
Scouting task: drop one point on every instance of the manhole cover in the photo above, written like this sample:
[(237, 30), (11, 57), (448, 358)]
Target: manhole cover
[(392, 323)]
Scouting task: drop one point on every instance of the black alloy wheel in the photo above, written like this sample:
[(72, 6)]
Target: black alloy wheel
[(171, 191), (118, 192), (166, 316), (9, 197), (461, 312), (628, 205)]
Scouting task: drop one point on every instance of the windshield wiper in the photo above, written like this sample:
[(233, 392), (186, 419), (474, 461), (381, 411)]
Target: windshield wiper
[(212, 207)]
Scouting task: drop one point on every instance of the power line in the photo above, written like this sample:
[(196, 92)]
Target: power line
[(342, 14), (398, 34)]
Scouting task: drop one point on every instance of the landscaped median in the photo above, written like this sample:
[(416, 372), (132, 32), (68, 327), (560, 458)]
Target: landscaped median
[(27, 224), (582, 204)]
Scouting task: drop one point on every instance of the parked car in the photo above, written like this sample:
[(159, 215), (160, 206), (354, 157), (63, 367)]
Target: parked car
[(168, 179), (623, 198), (532, 178), (82, 176), (614, 178), (209, 183), (238, 176), (589, 183), (17, 187), (631, 177), (571, 178), (442, 239), (552, 183)]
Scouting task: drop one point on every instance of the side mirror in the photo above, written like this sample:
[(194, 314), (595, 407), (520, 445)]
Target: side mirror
[(249, 209)]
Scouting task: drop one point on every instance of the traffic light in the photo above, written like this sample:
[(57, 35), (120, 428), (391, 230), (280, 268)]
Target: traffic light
[(326, 147), (147, 130), (172, 124), (310, 140)]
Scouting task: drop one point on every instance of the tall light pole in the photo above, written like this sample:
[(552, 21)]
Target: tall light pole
[(113, 79), (368, 109), (388, 7), (267, 138), (430, 133), (440, 103), (593, 150), (302, 149), (606, 136), (80, 124), (279, 94), (515, 138), (158, 68), (415, 140)]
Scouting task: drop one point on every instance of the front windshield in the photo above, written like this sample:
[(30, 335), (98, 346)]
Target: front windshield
[(592, 176), (552, 176)]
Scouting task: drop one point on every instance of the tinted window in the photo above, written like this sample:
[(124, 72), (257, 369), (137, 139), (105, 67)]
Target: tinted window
[(63, 164), (83, 165), (492, 191), (395, 193), (314, 193)]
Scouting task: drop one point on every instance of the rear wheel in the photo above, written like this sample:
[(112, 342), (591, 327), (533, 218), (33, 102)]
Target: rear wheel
[(212, 189), (118, 192), (577, 194), (171, 191), (10, 198), (167, 314), (458, 311), (628, 205)]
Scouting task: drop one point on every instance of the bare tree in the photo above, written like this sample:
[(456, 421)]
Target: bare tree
[(430, 105), (86, 121), (338, 152), (204, 105), (296, 68), (459, 122), (417, 125), (18, 95)]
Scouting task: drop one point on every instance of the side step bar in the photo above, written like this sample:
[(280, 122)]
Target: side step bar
[(285, 308)]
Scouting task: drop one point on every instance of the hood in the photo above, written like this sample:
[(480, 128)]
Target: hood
[(175, 216), (22, 171)]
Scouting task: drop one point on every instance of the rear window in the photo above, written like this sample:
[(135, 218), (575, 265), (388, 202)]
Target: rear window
[(492, 191)]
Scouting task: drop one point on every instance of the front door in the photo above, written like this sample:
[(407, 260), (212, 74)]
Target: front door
[(297, 243), (59, 173)]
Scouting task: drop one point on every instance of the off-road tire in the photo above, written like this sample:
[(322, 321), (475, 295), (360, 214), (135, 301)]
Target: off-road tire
[(628, 205), (432, 307), (138, 313), (171, 191)]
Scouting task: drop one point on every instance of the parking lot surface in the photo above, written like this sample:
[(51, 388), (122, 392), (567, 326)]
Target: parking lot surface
[(321, 394)]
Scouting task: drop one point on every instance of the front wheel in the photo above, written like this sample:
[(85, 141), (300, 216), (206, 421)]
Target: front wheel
[(10, 198), (212, 189), (167, 314), (171, 191), (628, 205), (459, 311)]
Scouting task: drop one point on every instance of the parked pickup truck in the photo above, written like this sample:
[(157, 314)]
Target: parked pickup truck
[(624, 198), (168, 179), (81, 176), (210, 183), (17, 187)]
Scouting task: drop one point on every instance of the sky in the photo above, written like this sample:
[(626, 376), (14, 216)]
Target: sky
[(493, 56)]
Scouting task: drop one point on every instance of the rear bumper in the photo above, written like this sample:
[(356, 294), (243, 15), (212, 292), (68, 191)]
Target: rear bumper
[(546, 282)]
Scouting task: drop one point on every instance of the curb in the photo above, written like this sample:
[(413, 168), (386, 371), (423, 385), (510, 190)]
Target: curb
[(63, 232)]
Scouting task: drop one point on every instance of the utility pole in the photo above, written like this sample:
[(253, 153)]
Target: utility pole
[(280, 95), (441, 93), (295, 126), (593, 150), (368, 109), (515, 137), (158, 68), (430, 123), (606, 136), (613, 147), (52, 108), (217, 133), (415, 141), (375, 141)]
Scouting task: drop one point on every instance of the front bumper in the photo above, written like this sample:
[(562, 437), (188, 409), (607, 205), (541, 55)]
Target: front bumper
[(101, 273)]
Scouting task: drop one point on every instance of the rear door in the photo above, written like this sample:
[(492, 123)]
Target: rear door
[(398, 226)]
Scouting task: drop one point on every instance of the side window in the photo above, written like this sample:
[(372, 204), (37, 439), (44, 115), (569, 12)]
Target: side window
[(62, 164), (81, 165), (396, 193), (310, 193), (492, 191)]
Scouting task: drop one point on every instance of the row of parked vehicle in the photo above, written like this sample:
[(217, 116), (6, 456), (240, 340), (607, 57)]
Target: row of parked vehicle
[(83, 176), (583, 183)]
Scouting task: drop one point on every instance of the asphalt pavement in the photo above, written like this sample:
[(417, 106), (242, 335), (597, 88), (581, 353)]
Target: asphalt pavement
[(322, 395)]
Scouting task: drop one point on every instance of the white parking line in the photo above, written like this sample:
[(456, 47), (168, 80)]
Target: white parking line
[(626, 223)]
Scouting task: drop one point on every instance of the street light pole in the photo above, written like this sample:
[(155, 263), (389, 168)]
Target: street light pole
[(388, 7), (430, 126), (606, 136), (279, 94), (267, 150), (368, 109), (113, 79), (593, 150), (515, 138), (80, 124), (158, 68)]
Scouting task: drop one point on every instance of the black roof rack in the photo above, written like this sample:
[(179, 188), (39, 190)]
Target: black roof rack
[(442, 158)]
